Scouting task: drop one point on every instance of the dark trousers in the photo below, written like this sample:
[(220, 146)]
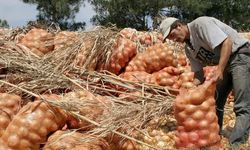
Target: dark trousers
[(236, 77)]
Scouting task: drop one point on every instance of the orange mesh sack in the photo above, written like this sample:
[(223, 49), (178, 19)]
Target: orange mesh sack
[(195, 113), (67, 140), (31, 125), (10, 104)]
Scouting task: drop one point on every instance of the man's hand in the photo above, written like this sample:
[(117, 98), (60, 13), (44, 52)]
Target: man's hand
[(225, 53), (217, 75)]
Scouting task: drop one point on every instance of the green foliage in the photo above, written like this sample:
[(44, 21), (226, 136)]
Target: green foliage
[(138, 13), (143, 14), (4, 24), (233, 12), (59, 11), (126, 13)]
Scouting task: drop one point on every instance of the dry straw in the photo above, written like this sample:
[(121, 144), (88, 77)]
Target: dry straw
[(30, 76)]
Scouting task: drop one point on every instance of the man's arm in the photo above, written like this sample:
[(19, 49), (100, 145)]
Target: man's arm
[(225, 53)]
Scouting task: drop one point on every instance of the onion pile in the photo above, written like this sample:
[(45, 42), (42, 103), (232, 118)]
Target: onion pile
[(31, 125), (124, 50), (195, 113), (39, 41), (9, 106), (74, 140)]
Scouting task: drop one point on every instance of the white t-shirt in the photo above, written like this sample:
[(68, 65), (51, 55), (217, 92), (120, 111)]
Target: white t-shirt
[(206, 36)]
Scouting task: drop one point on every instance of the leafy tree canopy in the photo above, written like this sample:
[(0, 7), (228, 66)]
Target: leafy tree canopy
[(233, 12), (126, 13), (61, 12), (140, 14), (4, 24)]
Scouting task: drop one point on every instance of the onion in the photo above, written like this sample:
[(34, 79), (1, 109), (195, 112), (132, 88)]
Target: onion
[(166, 82), (198, 115), (187, 85), (214, 137), (178, 142), (24, 143), (180, 129), (176, 71), (193, 136), (214, 127), (203, 124), (179, 105), (163, 55), (211, 116), (205, 106), (23, 132), (13, 141), (190, 124), (35, 138), (161, 144), (43, 132), (129, 68), (181, 117), (202, 143), (211, 101), (197, 97), (189, 108), (203, 134), (187, 76), (184, 138), (4, 121)]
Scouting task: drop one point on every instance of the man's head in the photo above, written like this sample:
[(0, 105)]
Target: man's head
[(174, 29)]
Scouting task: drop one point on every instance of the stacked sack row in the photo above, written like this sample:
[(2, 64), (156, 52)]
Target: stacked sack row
[(159, 65), (28, 126)]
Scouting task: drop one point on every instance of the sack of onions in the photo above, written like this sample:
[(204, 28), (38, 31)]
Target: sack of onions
[(68, 140), (153, 59), (158, 57), (124, 50), (9, 106), (31, 125), (39, 41), (196, 117)]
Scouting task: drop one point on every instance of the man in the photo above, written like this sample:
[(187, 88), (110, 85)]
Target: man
[(211, 42)]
